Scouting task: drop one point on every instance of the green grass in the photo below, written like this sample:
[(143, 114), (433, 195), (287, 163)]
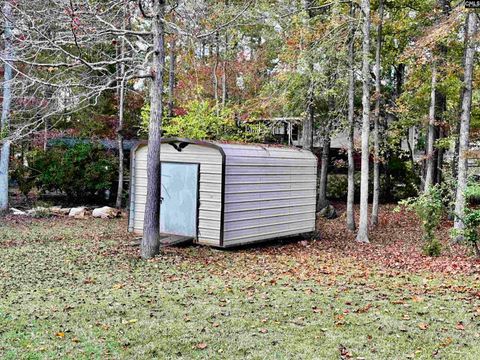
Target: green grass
[(72, 289)]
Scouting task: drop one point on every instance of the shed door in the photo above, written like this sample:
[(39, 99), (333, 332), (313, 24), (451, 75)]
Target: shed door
[(178, 212)]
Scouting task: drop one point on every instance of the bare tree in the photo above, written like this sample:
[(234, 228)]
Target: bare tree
[(6, 105), (464, 135), (121, 111), (376, 130), (430, 166), (351, 123), (325, 160), (171, 75), (362, 235), (308, 122), (151, 228)]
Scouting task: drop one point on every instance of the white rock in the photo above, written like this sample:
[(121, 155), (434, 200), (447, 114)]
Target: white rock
[(64, 211), (55, 209), (78, 212), (105, 212), (17, 212)]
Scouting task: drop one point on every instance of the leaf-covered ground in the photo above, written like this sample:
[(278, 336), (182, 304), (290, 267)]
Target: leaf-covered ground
[(76, 289)]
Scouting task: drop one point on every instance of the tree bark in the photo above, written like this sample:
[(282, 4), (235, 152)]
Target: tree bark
[(308, 121), (455, 157), (362, 235), (171, 76), (121, 108), (351, 125), (440, 157), (215, 75), (224, 75), (464, 137), (430, 161), (6, 104), (224, 69), (376, 134), (151, 226), (324, 162)]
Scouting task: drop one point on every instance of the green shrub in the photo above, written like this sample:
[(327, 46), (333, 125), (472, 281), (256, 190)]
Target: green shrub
[(433, 248), (82, 171), (23, 176), (472, 194), (203, 122), (470, 232), (430, 209), (337, 187)]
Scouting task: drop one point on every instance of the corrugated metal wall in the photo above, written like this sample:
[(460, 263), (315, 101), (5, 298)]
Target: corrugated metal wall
[(269, 192), (210, 161)]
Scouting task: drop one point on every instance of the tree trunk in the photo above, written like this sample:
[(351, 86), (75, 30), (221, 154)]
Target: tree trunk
[(224, 75), (462, 172), (215, 75), (224, 69), (308, 121), (7, 100), (151, 226), (362, 235), (376, 135), (324, 162), (307, 126), (45, 135), (455, 157), (351, 124), (171, 77), (440, 157), (430, 161), (121, 108)]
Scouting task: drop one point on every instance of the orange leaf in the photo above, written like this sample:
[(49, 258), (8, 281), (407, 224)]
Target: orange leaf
[(423, 326), (202, 346)]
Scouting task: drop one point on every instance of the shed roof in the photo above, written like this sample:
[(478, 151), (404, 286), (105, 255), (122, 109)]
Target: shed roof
[(230, 146)]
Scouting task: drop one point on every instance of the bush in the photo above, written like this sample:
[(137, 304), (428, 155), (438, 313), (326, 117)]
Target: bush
[(470, 232), (23, 176), (337, 187), (433, 248), (83, 171), (429, 208), (202, 121), (472, 194)]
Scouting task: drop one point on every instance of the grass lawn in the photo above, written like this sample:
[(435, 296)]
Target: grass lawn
[(76, 289)]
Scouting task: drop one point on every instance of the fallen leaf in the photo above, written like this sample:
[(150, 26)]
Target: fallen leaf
[(201, 346), (417, 299), (364, 309), (446, 342), (460, 326), (60, 334), (423, 326)]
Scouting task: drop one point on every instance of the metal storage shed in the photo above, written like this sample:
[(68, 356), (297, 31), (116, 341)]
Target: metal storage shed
[(226, 195)]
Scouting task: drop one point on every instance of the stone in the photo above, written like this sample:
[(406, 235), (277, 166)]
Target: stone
[(78, 212), (106, 212), (64, 211), (18, 212), (328, 212), (55, 210), (36, 210)]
